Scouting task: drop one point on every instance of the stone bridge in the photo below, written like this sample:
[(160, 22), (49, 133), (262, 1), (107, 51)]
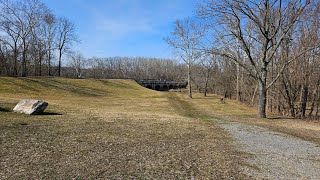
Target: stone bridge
[(161, 85)]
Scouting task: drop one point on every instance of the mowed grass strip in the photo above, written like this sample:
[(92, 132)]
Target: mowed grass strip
[(112, 129)]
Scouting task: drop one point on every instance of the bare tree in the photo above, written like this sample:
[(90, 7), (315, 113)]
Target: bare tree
[(49, 27), (260, 27), (4, 62), (77, 62), (186, 40), (37, 50), (208, 63), (10, 26), (65, 37), (30, 33), (20, 19)]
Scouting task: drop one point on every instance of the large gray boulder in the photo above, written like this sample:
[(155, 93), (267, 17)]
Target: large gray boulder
[(30, 106)]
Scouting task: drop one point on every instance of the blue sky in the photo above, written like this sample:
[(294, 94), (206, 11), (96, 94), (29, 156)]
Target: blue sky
[(123, 27)]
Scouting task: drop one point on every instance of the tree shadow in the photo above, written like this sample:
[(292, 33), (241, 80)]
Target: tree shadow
[(279, 118)]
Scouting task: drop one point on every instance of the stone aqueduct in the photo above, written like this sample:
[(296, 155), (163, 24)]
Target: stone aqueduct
[(161, 85)]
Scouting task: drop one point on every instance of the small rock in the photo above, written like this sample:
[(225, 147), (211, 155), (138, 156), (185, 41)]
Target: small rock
[(31, 107)]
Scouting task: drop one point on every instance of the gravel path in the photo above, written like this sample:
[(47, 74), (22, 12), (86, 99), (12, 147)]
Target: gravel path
[(276, 155)]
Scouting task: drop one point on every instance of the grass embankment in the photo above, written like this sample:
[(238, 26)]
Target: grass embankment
[(110, 128)]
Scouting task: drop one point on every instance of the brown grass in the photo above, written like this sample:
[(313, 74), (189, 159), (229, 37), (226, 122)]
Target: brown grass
[(235, 111), (111, 129)]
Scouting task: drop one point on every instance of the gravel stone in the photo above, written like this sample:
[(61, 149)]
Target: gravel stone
[(276, 155)]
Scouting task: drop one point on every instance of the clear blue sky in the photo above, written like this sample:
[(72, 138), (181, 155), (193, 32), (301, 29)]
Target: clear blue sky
[(123, 27)]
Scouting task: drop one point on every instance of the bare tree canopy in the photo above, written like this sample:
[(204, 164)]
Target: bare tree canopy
[(31, 35), (258, 28), (66, 37), (186, 41)]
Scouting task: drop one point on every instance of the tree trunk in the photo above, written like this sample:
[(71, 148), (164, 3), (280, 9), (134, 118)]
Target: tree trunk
[(304, 99), (289, 99), (40, 67), (314, 101), (262, 99), (238, 83), (225, 95), (263, 93), (317, 101), (41, 55), (206, 84), (24, 65), (49, 62), (15, 67), (35, 72), (254, 95), (317, 110), (59, 66), (189, 81), (312, 106), (24, 60)]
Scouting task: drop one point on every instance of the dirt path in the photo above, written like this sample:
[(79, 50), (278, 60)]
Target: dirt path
[(276, 155)]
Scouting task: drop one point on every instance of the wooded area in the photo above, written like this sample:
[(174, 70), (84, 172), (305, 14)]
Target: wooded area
[(32, 38), (262, 53), (267, 47)]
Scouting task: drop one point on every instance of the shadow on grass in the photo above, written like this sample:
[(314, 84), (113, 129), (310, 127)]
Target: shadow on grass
[(42, 114), (23, 124), (4, 110), (50, 114), (279, 118)]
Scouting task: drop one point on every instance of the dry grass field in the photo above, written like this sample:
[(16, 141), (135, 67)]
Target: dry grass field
[(112, 129), (117, 129)]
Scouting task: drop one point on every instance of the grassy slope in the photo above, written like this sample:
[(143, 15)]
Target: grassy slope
[(109, 128)]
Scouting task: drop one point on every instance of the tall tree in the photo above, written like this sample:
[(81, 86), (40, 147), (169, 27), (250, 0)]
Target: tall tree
[(37, 50), (49, 27), (260, 27), (65, 37), (186, 40)]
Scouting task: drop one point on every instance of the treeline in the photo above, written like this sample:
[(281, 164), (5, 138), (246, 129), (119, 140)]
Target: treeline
[(136, 68), (33, 40), (264, 53)]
